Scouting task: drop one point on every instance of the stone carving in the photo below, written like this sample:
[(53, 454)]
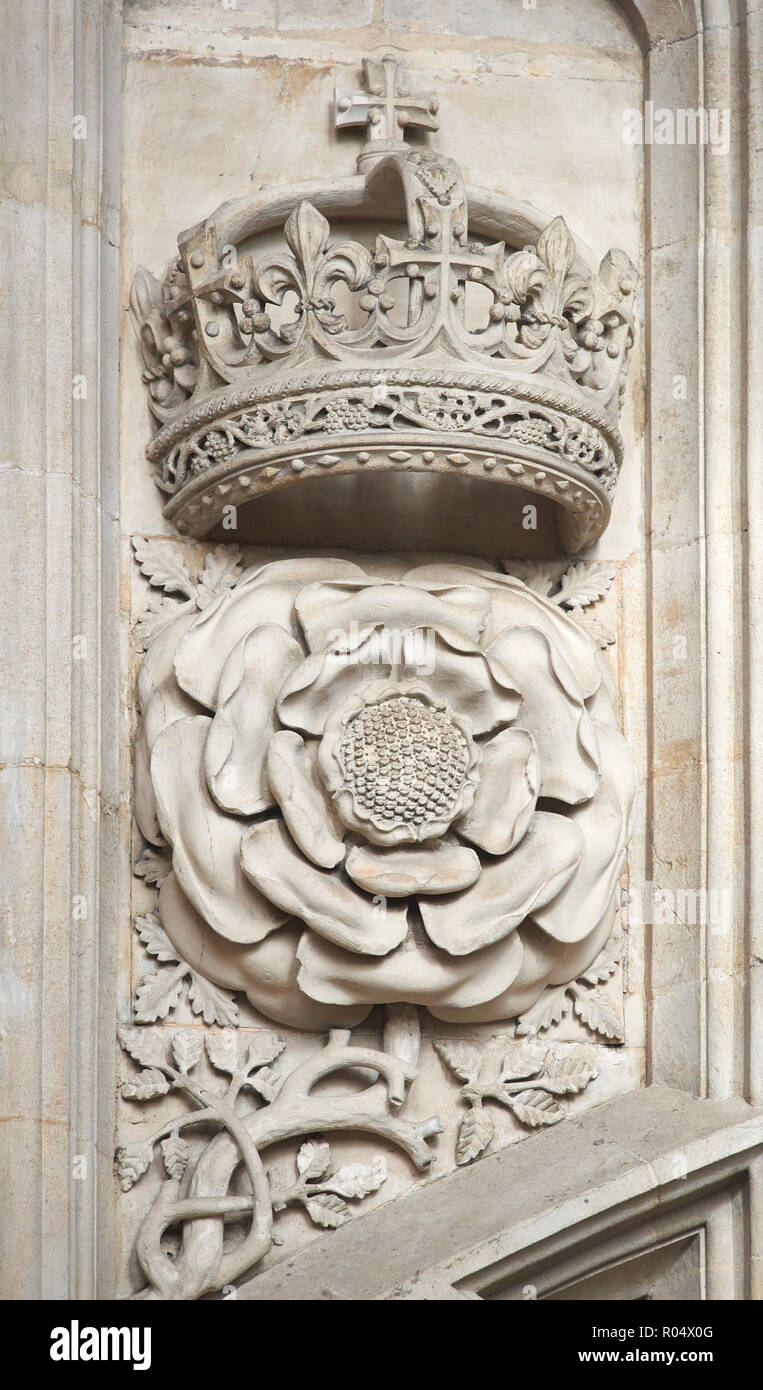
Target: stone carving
[(388, 105), (486, 413), (597, 1015), (527, 1085), (195, 1199), (160, 991), (379, 792), (575, 588), (250, 359), (358, 791)]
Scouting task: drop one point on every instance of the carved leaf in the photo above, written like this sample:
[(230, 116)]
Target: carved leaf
[(154, 937), (222, 568), (145, 295), (605, 963), (313, 1160), (476, 1131), (524, 275), (146, 1046), (163, 567), (550, 1008), (176, 1153), (535, 1108), (511, 1070), (578, 298), (155, 617), (327, 1210), (264, 1048), (187, 1048), (133, 1162), (214, 1005), (153, 866), (556, 248), (539, 575), (617, 266), (348, 261), (222, 1049), (146, 1085), (157, 994), (585, 582), (307, 234), (463, 1058), (358, 1179), (569, 1076), (273, 280), (597, 1015), (267, 1083)]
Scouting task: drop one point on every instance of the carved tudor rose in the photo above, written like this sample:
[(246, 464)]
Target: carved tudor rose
[(385, 792)]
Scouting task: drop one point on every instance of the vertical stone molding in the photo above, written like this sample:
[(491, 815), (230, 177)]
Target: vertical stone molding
[(59, 764)]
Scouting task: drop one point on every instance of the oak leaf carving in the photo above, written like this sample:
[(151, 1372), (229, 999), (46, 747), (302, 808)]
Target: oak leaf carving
[(464, 1059), (313, 1160), (327, 1210), (357, 1180), (146, 1085), (474, 1135)]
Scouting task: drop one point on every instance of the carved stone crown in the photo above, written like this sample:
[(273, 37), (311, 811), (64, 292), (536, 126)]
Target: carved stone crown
[(267, 362)]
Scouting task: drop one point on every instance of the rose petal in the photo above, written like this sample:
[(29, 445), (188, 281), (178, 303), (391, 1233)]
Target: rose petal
[(544, 963), (205, 842), (306, 808), (460, 673), (143, 800), (553, 711), (505, 799), (323, 900), (452, 667), (161, 703), (514, 605), (245, 720), (605, 823), (264, 594), (416, 973), (508, 889), (266, 972), (326, 679), (160, 699), (332, 610), (441, 867)]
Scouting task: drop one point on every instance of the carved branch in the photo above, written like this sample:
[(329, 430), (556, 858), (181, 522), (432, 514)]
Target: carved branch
[(201, 1265)]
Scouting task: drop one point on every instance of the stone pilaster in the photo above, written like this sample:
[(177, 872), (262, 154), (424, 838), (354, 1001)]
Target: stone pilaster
[(59, 736)]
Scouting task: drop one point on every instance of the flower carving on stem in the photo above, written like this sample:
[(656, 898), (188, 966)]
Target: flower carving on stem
[(383, 792)]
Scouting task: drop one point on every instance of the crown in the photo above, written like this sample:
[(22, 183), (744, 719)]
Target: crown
[(277, 350)]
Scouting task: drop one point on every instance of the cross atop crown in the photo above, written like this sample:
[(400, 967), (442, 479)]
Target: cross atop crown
[(388, 104)]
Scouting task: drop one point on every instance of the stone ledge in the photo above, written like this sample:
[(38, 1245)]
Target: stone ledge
[(602, 1160)]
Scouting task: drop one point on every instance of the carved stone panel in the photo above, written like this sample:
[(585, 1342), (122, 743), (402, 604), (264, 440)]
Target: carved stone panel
[(384, 798)]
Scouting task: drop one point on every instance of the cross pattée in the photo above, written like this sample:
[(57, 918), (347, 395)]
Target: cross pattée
[(387, 106)]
